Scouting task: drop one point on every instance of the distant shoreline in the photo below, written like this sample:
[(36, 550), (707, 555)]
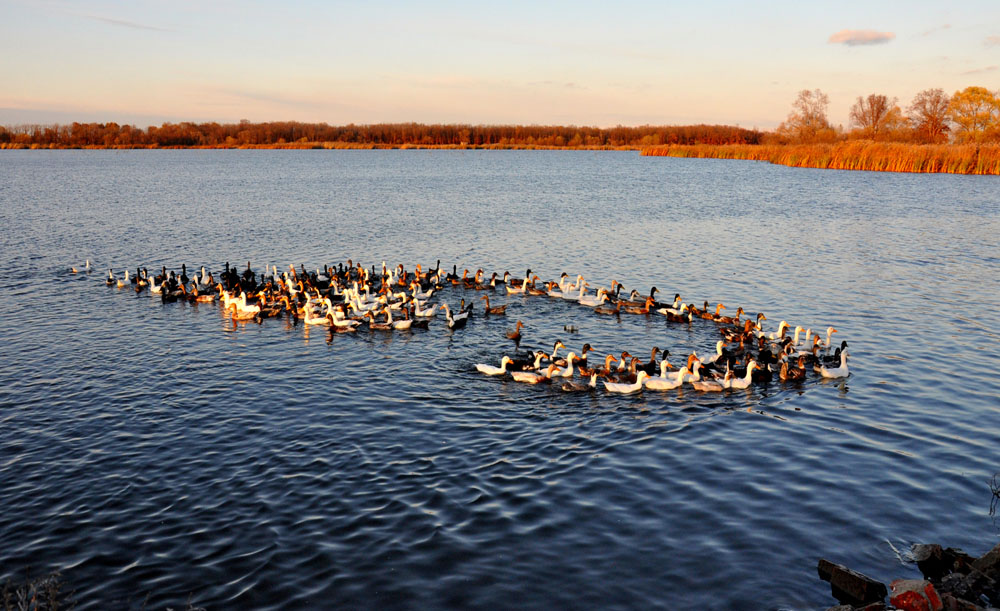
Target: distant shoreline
[(344, 146), (865, 155)]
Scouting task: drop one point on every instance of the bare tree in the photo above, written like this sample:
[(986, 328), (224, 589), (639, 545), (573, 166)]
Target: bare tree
[(808, 122), (929, 114), (869, 114)]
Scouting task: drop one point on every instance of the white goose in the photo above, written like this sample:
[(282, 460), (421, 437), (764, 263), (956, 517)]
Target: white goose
[(627, 388), (490, 370)]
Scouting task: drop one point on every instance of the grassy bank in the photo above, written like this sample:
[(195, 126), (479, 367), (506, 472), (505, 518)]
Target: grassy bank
[(853, 155)]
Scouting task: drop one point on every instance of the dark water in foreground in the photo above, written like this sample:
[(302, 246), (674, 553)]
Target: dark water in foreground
[(150, 449)]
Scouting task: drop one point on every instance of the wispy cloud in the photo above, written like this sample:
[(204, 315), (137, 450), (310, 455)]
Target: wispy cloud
[(992, 41), (930, 31), (861, 37), (981, 70), (563, 85), (126, 24)]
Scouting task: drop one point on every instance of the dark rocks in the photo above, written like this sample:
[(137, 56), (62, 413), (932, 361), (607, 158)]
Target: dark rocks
[(930, 560), (955, 581), (849, 586), (989, 563), (956, 604)]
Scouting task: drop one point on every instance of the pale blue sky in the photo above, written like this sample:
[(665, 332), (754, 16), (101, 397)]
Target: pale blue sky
[(580, 63)]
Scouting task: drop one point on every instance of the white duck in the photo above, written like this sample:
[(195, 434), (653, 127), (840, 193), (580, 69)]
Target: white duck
[(593, 302), (568, 371), (310, 317), (834, 372), (241, 303), (744, 382), (533, 377), (420, 312), (780, 333), (576, 292), (417, 294), (665, 381), (399, 325), (625, 389), (490, 370), (827, 343), (713, 385), (337, 317), (718, 352), (568, 286), (678, 309)]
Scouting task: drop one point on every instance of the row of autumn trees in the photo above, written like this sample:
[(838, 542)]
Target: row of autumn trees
[(971, 115), (246, 133)]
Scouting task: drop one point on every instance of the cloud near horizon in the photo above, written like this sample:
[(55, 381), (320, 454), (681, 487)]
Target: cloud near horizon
[(126, 24), (930, 31), (981, 70), (993, 41), (861, 37)]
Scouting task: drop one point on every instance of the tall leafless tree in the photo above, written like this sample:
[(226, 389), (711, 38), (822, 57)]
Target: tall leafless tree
[(929, 114), (869, 114)]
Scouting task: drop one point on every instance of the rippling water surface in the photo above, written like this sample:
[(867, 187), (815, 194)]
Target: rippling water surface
[(153, 450)]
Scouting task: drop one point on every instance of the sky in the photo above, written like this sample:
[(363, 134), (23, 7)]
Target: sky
[(145, 62)]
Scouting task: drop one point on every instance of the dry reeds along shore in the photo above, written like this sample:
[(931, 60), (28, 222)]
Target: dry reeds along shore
[(853, 155)]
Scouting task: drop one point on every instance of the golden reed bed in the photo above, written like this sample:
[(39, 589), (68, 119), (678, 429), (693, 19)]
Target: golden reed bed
[(853, 155)]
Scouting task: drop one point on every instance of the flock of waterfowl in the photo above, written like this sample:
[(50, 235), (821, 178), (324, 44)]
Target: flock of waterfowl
[(350, 297)]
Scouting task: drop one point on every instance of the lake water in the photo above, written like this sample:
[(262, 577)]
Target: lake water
[(154, 453)]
